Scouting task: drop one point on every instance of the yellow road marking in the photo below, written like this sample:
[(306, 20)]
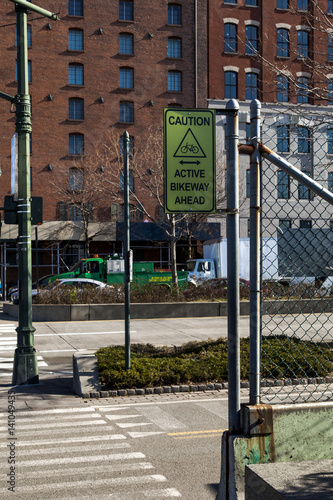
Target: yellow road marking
[(195, 432), (196, 436)]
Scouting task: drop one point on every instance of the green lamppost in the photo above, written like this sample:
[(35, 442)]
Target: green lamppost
[(25, 359)]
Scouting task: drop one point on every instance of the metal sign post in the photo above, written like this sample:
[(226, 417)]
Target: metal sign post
[(127, 251), (189, 157)]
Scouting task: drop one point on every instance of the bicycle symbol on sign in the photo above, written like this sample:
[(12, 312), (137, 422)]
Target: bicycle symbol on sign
[(189, 148)]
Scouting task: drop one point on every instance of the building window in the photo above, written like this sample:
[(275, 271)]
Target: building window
[(251, 3), (329, 6), (175, 81), (75, 39), (330, 181), (330, 48), (305, 224), (75, 109), (75, 7), (174, 14), (283, 138), (248, 183), (230, 1), (248, 133), (251, 46), (302, 44), (330, 141), (121, 181), (283, 185), (230, 37), (303, 90), (126, 78), (76, 144), (302, 5), (126, 43), (75, 179), (251, 86), (282, 42), (29, 72), (282, 4), (126, 112), (130, 146), (303, 192), (230, 85), (304, 137), (285, 224), (282, 89), (74, 213), (29, 35), (174, 47), (126, 10), (75, 74), (330, 91)]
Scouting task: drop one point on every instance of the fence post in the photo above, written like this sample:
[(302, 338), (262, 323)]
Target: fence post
[(255, 279), (232, 136)]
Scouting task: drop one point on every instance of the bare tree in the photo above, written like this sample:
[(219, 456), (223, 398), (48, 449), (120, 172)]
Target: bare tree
[(80, 191), (146, 186)]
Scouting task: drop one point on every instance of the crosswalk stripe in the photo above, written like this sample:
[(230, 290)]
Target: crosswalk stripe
[(55, 410), (127, 425), (57, 418), (59, 424), (156, 478), (166, 493), (70, 430), (81, 439), (9, 365), (50, 451), (10, 359), (161, 418), (118, 467), (120, 417), (144, 434), (79, 460), (162, 493)]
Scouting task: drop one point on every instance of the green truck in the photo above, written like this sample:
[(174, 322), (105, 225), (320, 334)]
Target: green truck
[(111, 270)]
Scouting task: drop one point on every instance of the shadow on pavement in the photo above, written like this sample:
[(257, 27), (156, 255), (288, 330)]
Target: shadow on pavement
[(61, 386)]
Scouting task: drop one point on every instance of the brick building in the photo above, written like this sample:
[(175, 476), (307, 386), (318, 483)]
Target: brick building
[(280, 52), (107, 65)]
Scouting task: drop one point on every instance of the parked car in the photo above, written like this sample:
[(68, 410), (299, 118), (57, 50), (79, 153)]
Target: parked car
[(42, 282), (78, 283)]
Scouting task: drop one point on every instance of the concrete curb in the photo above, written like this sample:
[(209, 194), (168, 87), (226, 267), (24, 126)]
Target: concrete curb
[(86, 382)]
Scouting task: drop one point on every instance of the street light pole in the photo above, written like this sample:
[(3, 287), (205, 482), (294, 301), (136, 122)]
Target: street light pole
[(25, 369), (25, 359)]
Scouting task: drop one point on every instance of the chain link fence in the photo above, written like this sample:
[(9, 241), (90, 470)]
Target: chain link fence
[(297, 259)]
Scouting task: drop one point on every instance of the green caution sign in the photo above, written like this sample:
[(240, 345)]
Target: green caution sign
[(189, 160)]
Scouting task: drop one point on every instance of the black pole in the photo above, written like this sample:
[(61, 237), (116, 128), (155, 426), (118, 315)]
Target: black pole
[(127, 251), (36, 246)]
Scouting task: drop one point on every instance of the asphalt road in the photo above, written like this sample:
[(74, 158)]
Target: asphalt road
[(159, 446)]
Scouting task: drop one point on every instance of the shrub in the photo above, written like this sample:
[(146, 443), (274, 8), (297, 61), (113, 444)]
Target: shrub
[(207, 361)]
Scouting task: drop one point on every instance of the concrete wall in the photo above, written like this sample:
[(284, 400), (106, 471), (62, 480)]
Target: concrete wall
[(279, 433), (86, 312)]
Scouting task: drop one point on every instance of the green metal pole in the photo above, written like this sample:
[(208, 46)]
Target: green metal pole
[(25, 359), (127, 251)]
